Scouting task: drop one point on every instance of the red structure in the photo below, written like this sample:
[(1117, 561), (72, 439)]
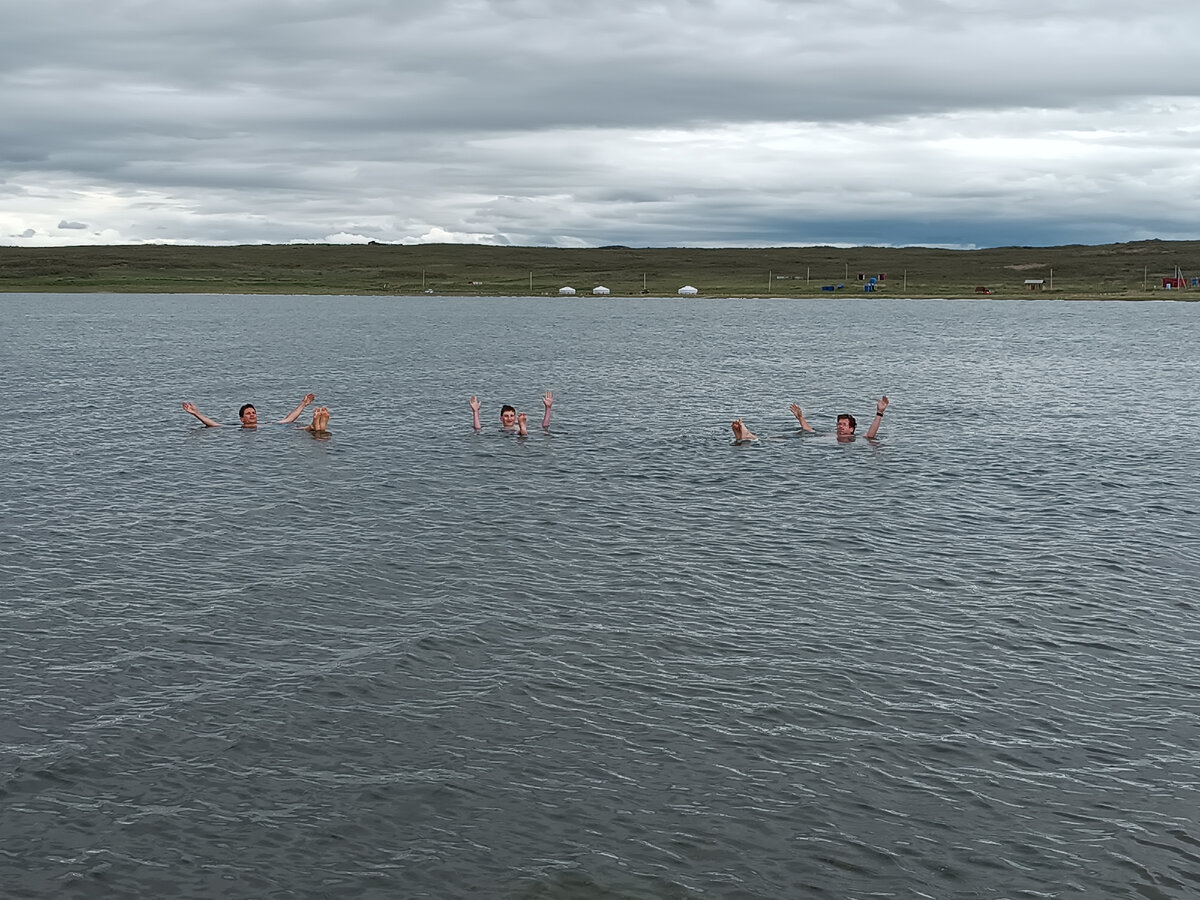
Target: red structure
[(1174, 283)]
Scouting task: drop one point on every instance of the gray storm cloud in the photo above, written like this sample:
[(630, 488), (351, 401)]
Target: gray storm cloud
[(576, 124)]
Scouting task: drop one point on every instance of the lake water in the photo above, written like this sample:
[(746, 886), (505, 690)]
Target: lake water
[(624, 659)]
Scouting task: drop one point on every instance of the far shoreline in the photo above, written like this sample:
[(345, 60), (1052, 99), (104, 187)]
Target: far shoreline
[(1135, 271), (913, 298)]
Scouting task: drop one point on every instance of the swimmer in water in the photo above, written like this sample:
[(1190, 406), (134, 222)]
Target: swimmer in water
[(511, 420), (846, 422), (248, 415)]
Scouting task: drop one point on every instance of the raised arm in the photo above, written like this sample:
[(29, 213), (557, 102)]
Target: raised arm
[(208, 423), (547, 401), (295, 413), (880, 405), (795, 408), (475, 413), (522, 430)]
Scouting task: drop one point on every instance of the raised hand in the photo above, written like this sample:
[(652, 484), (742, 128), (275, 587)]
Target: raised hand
[(799, 414), (880, 405), (204, 420)]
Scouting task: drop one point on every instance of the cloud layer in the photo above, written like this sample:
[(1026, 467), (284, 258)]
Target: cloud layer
[(676, 123)]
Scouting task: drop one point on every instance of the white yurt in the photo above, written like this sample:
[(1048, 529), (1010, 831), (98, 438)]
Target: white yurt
[(688, 291), (601, 289), (566, 291)]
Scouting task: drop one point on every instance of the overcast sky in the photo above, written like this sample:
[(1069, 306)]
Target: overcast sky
[(577, 123)]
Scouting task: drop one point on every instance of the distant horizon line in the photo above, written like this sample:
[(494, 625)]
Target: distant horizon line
[(965, 248)]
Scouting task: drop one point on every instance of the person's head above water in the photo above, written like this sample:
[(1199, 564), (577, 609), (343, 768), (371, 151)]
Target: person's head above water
[(845, 422), (248, 415), (510, 419)]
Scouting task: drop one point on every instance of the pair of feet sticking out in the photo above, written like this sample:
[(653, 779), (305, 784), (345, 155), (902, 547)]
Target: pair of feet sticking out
[(320, 421)]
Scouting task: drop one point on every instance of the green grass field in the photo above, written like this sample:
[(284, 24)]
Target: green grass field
[(1129, 271)]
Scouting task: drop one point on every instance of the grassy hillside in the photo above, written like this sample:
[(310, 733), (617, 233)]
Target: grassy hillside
[(1116, 271)]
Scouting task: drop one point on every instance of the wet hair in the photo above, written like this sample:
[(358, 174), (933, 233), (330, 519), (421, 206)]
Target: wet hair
[(245, 406), (853, 423), (506, 408)]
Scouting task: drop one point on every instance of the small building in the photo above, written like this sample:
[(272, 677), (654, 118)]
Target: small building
[(600, 289), (566, 291), (1169, 283), (688, 291), (1035, 284), (980, 289)]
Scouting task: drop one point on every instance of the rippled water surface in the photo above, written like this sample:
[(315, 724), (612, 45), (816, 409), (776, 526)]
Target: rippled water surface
[(623, 659)]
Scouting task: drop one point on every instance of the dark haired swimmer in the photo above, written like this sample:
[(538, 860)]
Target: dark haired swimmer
[(248, 415), (741, 433), (510, 419), (846, 423)]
